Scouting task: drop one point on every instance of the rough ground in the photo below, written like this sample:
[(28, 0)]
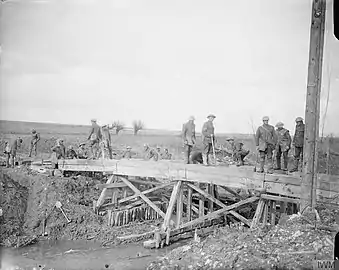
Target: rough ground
[(28, 195), (291, 245)]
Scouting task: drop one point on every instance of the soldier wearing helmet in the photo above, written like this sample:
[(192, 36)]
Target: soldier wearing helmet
[(12, 149), (95, 138), (127, 153), (207, 137), (238, 151), (70, 153), (189, 139), (34, 142), (265, 139), (298, 143), (82, 152), (283, 146), (58, 152), (166, 154)]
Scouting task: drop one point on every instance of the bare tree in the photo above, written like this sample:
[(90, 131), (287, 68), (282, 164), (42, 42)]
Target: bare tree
[(138, 125), (118, 126)]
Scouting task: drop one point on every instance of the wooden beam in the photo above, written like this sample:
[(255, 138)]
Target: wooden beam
[(169, 211), (232, 192), (312, 111), (258, 213), (148, 201), (102, 197), (179, 207), (189, 203), (145, 192), (278, 198), (273, 212), (112, 185)]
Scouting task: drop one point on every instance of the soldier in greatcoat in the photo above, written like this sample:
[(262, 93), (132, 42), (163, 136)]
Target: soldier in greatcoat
[(298, 143), (207, 139), (283, 146), (189, 139), (82, 152), (12, 149), (34, 142), (95, 137), (106, 136), (58, 152), (265, 139)]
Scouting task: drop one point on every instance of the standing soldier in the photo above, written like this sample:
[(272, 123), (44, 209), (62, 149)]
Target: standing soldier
[(166, 154), (107, 140), (188, 137), (265, 139), (283, 146), (7, 152), (298, 143), (95, 137), (159, 152), (34, 143), (13, 148), (58, 152), (207, 137)]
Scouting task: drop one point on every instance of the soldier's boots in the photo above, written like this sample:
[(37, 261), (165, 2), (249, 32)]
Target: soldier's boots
[(278, 165), (285, 165), (262, 164), (270, 166), (295, 165), (204, 159)]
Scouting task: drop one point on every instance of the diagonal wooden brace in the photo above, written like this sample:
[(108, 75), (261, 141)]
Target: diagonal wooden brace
[(148, 201), (208, 196)]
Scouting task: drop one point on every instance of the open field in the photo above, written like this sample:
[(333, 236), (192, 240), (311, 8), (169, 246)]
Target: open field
[(74, 134)]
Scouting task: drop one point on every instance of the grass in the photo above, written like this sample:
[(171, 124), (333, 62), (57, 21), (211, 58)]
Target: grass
[(74, 134)]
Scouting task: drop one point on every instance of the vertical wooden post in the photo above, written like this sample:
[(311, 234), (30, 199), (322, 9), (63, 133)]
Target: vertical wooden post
[(174, 195), (308, 183), (211, 192), (179, 207), (201, 203), (189, 203), (273, 213)]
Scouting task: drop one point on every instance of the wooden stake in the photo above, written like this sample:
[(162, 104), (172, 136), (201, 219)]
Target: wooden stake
[(189, 204), (258, 213), (264, 221), (273, 212), (102, 197), (328, 156), (201, 204), (312, 111), (179, 207), (170, 207), (210, 203)]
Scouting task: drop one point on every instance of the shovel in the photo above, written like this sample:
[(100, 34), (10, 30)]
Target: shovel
[(213, 148), (59, 206)]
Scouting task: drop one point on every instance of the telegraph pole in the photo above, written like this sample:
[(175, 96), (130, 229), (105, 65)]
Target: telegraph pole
[(312, 110)]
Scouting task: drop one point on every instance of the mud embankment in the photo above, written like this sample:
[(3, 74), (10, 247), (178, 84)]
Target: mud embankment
[(29, 197)]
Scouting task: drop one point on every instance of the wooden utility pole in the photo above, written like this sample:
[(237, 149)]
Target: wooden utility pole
[(312, 111)]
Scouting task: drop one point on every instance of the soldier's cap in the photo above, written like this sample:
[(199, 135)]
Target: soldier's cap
[(230, 139), (279, 124), (128, 147), (211, 115), (81, 144), (299, 119), (191, 117), (93, 120), (265, 118)]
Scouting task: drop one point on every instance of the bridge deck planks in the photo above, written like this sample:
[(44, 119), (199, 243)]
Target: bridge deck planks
[(243, 177)]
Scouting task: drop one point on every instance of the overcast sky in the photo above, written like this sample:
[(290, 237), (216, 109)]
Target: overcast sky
[(68, 61)]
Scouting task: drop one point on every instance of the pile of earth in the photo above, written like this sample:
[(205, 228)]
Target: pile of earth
[(30, 196), (294, 244)]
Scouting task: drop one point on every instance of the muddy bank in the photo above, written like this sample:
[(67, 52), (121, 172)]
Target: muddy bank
[(29, 197), (293, 244)]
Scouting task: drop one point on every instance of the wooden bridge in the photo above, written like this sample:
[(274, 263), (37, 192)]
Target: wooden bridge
[(200, 196)]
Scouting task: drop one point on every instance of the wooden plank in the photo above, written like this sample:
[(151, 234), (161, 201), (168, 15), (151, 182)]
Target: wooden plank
[(201, 203), (145, 182), (273, 212), (112, 185), (258, 213), (101, 199), (170, 207), (145, 192), (265, 214), (179, 207), (189, 204), (278, 198), (210, 203), (218, 212), (148, 201), (283, 189)]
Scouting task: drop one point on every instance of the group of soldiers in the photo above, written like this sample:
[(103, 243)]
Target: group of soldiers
[(268, 140)]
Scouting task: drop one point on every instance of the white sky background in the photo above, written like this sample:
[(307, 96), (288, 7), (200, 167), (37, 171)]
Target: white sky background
[(68, 61)]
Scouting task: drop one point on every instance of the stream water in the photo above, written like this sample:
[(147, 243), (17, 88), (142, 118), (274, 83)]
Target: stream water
[(79, 255)]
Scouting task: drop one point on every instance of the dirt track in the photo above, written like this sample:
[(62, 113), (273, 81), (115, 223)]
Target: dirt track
[(28, 196)]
